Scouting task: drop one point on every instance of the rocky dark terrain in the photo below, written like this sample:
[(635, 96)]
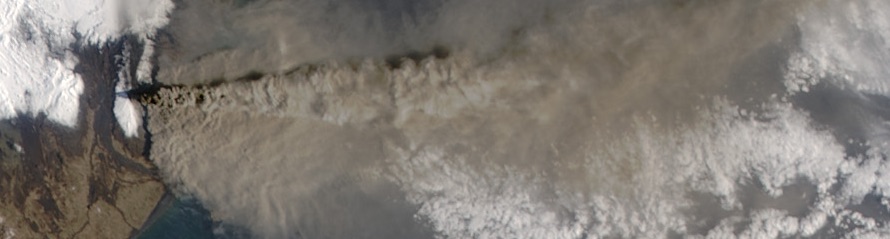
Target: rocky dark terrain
[(84, 182)]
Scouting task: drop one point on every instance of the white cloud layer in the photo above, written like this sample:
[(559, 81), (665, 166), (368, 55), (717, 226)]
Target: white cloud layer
[(608, 121), (36, 64)]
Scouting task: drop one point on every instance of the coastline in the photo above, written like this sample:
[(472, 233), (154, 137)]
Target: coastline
[(160, 209), (70, 182)]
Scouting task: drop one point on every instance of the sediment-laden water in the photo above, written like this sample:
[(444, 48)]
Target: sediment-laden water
[(527, 119)]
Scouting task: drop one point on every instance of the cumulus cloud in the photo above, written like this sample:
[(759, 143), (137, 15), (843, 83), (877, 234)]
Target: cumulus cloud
[(570, 119)]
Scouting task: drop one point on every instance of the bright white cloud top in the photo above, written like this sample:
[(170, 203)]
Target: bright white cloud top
[(36, 62), (630, 122)]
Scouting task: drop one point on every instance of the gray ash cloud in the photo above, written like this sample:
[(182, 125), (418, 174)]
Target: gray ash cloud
[(566, 119)]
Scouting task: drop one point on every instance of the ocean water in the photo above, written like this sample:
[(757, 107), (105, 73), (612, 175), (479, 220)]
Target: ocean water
[(557, 119), (185, 218), (492, 119)]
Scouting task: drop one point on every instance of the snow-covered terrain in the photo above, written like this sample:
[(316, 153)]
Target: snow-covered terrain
[(36, 61), (583, 119)]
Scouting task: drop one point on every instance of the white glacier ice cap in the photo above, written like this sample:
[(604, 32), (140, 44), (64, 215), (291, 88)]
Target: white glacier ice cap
[(36, 62)]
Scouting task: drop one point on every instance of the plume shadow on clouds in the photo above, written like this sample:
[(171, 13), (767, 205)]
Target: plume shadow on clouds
[(661, 61)]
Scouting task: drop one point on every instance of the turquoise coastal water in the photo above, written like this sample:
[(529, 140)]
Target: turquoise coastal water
[(185, 218)]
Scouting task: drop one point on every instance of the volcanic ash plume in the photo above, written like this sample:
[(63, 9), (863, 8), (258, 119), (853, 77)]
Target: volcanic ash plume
[(631, 119)]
